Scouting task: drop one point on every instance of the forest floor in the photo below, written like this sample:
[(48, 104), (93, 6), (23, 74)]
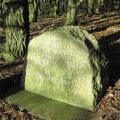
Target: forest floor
[(105, 27)]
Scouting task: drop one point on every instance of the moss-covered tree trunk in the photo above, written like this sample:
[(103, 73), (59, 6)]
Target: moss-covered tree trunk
[(17, 29), (90, 7), (52, 7), (0, 7), (65, 2), (97, 4), (47, 7), (55, 8), (33, 10), (1, 13), (72, 11)]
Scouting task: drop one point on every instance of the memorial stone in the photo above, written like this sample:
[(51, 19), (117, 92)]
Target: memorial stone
[(66, 64)]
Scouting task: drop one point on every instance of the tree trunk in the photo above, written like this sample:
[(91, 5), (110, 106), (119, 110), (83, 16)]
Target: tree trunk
[(17, 29), (90, 7), (71, 13), (0, 7), (53, 8), (33, 9), (1, 16), (65, 3), (97, 4)]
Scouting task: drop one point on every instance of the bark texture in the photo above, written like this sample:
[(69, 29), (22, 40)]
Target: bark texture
[(72, 11), (33, 9), (16, 29)]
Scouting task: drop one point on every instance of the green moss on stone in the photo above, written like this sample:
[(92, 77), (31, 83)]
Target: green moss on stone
[(64, 64)]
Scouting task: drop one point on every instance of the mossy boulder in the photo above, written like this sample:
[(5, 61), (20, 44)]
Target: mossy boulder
[(66, 64)]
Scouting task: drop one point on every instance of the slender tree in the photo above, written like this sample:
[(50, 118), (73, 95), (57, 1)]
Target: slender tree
[(97, 4), (0, 6), (55, 7), (71, 11), (17, 29), (90, 7), (33, 10), (64, 6), (1, 15)]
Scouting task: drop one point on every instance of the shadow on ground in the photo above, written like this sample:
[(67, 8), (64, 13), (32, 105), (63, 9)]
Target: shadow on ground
[(111, 48)]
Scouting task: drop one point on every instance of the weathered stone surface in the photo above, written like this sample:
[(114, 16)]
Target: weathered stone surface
[(50, 109), (66, 64)]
